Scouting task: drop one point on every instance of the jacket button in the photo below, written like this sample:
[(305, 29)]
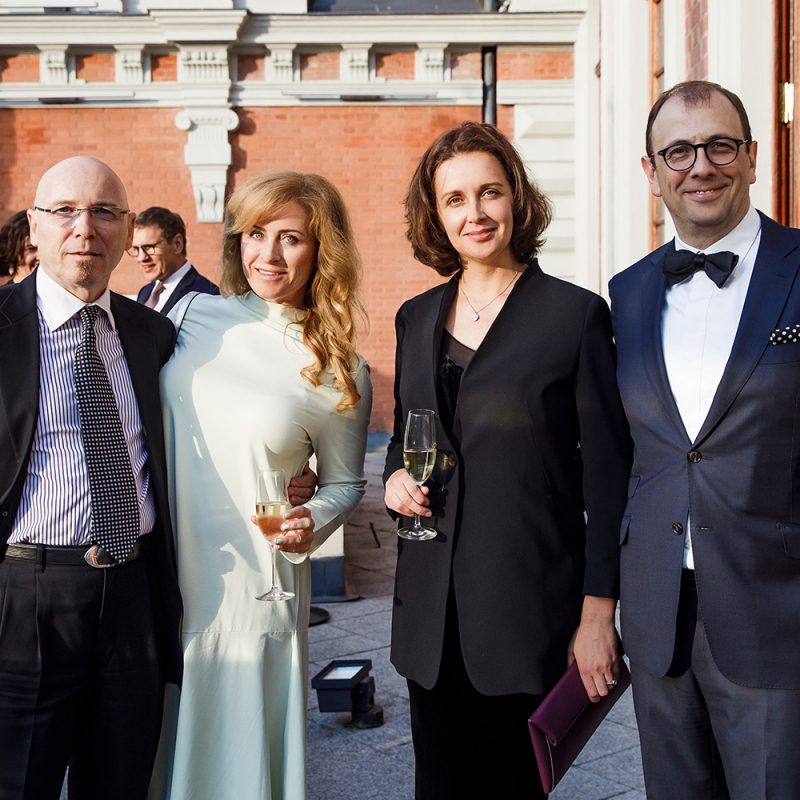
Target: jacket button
[(4, 514), (677, 527), (695, 456)]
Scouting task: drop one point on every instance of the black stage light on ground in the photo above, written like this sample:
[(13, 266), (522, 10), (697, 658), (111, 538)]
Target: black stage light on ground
[(348, 686)]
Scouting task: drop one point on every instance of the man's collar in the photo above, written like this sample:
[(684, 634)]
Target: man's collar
[(58, 305), (737, 241), (178, 275)]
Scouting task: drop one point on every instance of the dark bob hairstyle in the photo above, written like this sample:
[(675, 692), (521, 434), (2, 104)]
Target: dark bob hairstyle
[(532, 210)]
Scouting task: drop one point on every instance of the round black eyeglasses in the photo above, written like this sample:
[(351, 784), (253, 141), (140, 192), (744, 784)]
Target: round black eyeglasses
[(720, 152)]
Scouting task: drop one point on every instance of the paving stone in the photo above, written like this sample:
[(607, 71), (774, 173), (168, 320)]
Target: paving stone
[(610, 737), (580, 784), (624, 766)]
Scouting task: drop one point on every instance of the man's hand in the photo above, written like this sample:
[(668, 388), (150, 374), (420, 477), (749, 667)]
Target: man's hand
[(302, 488), (595, 646), (404, 496)]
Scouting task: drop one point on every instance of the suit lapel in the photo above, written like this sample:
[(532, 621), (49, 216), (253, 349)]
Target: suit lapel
[(183, 287), (654, 288), (141, 356), (19, 364), (773, 276)]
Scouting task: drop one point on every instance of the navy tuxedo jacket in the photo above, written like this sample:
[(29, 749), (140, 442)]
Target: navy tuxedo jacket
[(509, 490), (738, 479), (147, 341), (192, 281)]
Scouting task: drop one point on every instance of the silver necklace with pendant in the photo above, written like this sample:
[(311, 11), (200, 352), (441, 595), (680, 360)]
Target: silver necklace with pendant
[(476, 312)]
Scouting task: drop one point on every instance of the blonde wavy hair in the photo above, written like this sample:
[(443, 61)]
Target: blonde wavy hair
[(332, 300)]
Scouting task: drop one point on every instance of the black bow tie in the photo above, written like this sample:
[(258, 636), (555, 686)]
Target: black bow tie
[(682, 264)]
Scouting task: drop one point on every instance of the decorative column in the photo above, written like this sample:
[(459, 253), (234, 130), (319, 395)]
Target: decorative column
[(129, 63), (208, 155), (354, 64), (281, 57), (53, 64), (430, 62)]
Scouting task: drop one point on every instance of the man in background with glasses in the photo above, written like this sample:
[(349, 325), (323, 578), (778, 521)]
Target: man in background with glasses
[(89, 630), (159, 245), (708, 338)]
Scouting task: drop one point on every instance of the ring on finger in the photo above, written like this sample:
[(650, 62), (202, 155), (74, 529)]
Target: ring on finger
[(611, 684)]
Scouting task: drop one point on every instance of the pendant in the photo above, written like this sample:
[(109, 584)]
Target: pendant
[(475, 317)]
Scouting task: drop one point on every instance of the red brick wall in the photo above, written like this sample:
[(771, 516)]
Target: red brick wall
[(368, 151), (532, 65), (95, 67), (466, 66), (23, 67), (395, 66), (250, 68), (319, 67), (164, 67), (697, 40)]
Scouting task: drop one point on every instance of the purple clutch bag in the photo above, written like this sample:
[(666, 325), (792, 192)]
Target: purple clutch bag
[(566, 720)]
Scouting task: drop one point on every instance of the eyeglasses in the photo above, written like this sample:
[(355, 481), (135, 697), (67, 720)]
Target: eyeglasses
[(103, 216), (720, 152), (147, 249)]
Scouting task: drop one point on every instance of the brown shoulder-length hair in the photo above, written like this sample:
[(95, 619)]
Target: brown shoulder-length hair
[(532, 210), (332, 300), (14, 235)]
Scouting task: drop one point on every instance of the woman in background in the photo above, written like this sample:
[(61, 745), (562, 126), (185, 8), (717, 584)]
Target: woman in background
[(520, 369), (18, 257), (261, 378)]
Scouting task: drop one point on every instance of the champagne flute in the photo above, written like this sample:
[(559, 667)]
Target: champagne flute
[(271, 504), (419, 456)]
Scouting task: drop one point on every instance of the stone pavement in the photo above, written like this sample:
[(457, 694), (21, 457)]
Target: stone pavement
[(378, 764)]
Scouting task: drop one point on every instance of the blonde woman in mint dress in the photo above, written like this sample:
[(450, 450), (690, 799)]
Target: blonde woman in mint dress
[(262, 377)]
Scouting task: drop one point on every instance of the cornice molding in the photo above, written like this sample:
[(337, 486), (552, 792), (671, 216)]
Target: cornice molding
[(200, 26), (543, 28)]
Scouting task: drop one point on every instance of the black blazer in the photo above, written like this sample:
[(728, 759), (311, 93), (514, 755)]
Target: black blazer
[(742, 479), (192, 281), (508, 492), (147, 341)]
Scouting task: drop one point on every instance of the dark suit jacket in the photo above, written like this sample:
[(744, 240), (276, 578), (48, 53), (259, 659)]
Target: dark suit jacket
[(741, 482), (192, 281), (509, 489), (147, 341)]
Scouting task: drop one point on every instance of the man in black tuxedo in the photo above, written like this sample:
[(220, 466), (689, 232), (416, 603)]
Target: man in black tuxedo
[(708, 340), (159, 245), (89, 631)]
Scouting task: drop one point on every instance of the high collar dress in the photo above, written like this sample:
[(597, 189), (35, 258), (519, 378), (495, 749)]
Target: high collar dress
[(234, 403)]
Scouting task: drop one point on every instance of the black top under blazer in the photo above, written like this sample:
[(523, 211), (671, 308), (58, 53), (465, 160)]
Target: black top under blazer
[(539, 436), (192, 281), (147, 340)]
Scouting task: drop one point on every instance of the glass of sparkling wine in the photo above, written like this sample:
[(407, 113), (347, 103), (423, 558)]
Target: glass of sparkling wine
[(271, 504), (419, 455)]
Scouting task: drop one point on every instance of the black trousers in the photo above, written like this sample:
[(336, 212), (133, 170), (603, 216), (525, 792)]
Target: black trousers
[(80, 681), (468, 746), (706, 738)]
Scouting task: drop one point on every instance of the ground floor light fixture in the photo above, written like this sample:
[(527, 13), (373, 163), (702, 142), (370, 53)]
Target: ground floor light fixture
[(347, 686)]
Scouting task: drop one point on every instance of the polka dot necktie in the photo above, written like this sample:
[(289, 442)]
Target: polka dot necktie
[(115, 510)]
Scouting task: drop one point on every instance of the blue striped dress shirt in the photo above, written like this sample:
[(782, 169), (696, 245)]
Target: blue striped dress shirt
[(56, 501)]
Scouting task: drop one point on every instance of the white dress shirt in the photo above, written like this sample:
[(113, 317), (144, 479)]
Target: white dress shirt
[(55, 508), (698, 326), (170, 284)]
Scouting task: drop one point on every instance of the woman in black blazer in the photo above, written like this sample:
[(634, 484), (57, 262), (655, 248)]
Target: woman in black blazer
[(519, 367)]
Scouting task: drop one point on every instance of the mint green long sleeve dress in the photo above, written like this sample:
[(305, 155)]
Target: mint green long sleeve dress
[(235, 402)]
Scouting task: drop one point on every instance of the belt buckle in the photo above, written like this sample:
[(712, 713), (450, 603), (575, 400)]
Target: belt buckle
[(98, 557)]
